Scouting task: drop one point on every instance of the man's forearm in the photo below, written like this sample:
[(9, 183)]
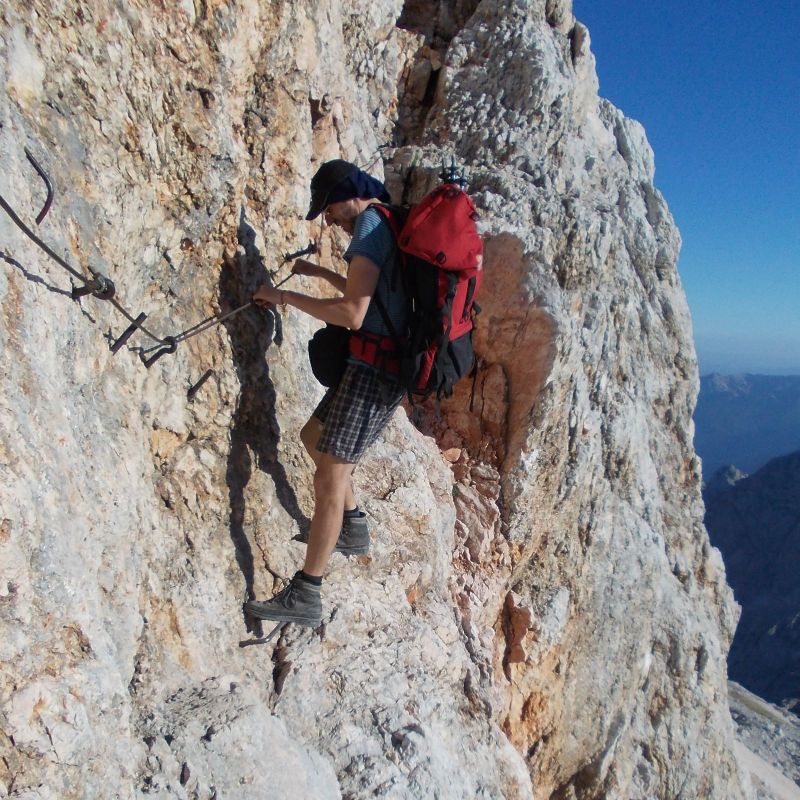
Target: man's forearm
[(304, 267), (336, 310), (333, 278)]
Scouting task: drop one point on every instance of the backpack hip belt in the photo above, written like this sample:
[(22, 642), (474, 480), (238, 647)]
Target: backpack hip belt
[(382, 352)]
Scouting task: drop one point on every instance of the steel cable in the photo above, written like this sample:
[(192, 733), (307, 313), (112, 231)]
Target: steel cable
[(104, 289), (39, 243)]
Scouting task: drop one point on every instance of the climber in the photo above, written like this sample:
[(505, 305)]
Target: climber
[(353, 412)]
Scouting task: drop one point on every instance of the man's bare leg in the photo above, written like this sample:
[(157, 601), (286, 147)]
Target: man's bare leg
[(331, 484), (309, 435), (300, 601)]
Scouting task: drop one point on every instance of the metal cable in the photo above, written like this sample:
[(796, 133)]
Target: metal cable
[(46, 178), (39, 243), (200, 327), (209, 323), (136, 322), (104, 289)]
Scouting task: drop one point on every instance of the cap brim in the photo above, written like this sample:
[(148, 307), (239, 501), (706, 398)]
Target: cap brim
[(327, 178), (317, 206)]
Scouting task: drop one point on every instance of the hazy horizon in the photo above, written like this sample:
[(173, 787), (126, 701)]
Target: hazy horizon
[(759, 356)]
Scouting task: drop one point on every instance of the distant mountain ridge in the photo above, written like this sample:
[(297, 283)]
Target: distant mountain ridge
[(721, 481), (746, 420), (756, 525)]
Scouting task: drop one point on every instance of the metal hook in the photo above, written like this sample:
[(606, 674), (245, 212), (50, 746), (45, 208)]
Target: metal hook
[(44, 176), (171, 345), (129, 331), (101, 287)]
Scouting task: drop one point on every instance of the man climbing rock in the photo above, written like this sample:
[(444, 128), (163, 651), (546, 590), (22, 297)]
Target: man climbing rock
[(352, 413)]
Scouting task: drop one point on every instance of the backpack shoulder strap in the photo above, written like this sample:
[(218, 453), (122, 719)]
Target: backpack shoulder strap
[(395, 215), (385, 316)]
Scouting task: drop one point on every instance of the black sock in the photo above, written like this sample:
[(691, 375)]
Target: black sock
[(353, 512), (315, 579)]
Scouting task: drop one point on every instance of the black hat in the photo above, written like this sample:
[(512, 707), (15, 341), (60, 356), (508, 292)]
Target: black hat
[(324, 181)]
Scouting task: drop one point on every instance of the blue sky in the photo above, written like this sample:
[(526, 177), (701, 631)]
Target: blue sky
[(717, 87)]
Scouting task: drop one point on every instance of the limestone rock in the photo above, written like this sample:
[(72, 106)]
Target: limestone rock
[(180, 139)]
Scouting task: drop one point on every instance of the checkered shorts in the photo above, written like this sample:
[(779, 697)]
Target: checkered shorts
[(355, 412)]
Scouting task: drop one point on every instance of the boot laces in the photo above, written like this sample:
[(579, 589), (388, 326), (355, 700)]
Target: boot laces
[(285, 596)]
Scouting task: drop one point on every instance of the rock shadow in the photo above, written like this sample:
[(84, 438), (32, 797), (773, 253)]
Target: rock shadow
[(32, 277), (255, 431)]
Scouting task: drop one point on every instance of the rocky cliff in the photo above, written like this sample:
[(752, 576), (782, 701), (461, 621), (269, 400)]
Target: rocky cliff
[(542, 615)]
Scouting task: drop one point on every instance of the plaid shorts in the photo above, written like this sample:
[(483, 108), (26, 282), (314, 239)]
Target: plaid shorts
[(355, 412)]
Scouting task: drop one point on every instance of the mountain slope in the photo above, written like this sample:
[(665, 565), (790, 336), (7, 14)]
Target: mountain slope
[(756, 525), (745, 420)]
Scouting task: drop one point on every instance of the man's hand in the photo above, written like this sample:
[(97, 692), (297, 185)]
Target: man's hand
[(266, 295), (303, 267)]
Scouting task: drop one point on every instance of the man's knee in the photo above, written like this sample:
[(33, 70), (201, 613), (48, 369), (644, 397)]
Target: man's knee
[(309, 436), (332, 474)]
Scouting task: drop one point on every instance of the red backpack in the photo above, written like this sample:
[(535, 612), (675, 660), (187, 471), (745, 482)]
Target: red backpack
[(441, 256)]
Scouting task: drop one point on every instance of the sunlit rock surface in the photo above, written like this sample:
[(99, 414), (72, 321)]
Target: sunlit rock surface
[(541, 615)]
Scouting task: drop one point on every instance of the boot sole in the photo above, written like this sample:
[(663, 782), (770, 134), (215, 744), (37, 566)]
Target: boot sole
[(355, 550), (265, 615), (360, 550)]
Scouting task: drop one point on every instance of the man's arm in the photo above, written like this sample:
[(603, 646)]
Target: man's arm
[(348, 310), (303, 267)]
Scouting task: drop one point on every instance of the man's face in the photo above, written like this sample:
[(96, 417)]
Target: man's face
[(343, 214)]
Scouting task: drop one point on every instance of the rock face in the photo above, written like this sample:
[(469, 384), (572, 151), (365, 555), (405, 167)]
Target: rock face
[(541, 615), (756, 525)]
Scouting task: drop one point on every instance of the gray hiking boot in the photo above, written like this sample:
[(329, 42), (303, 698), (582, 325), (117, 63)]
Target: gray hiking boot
[(353, 538), (299, 603)]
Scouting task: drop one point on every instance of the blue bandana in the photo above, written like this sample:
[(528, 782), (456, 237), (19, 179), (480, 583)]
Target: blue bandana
[(359, 185)]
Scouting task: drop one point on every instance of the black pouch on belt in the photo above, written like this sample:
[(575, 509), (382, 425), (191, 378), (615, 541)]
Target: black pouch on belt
[(328, 349)]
